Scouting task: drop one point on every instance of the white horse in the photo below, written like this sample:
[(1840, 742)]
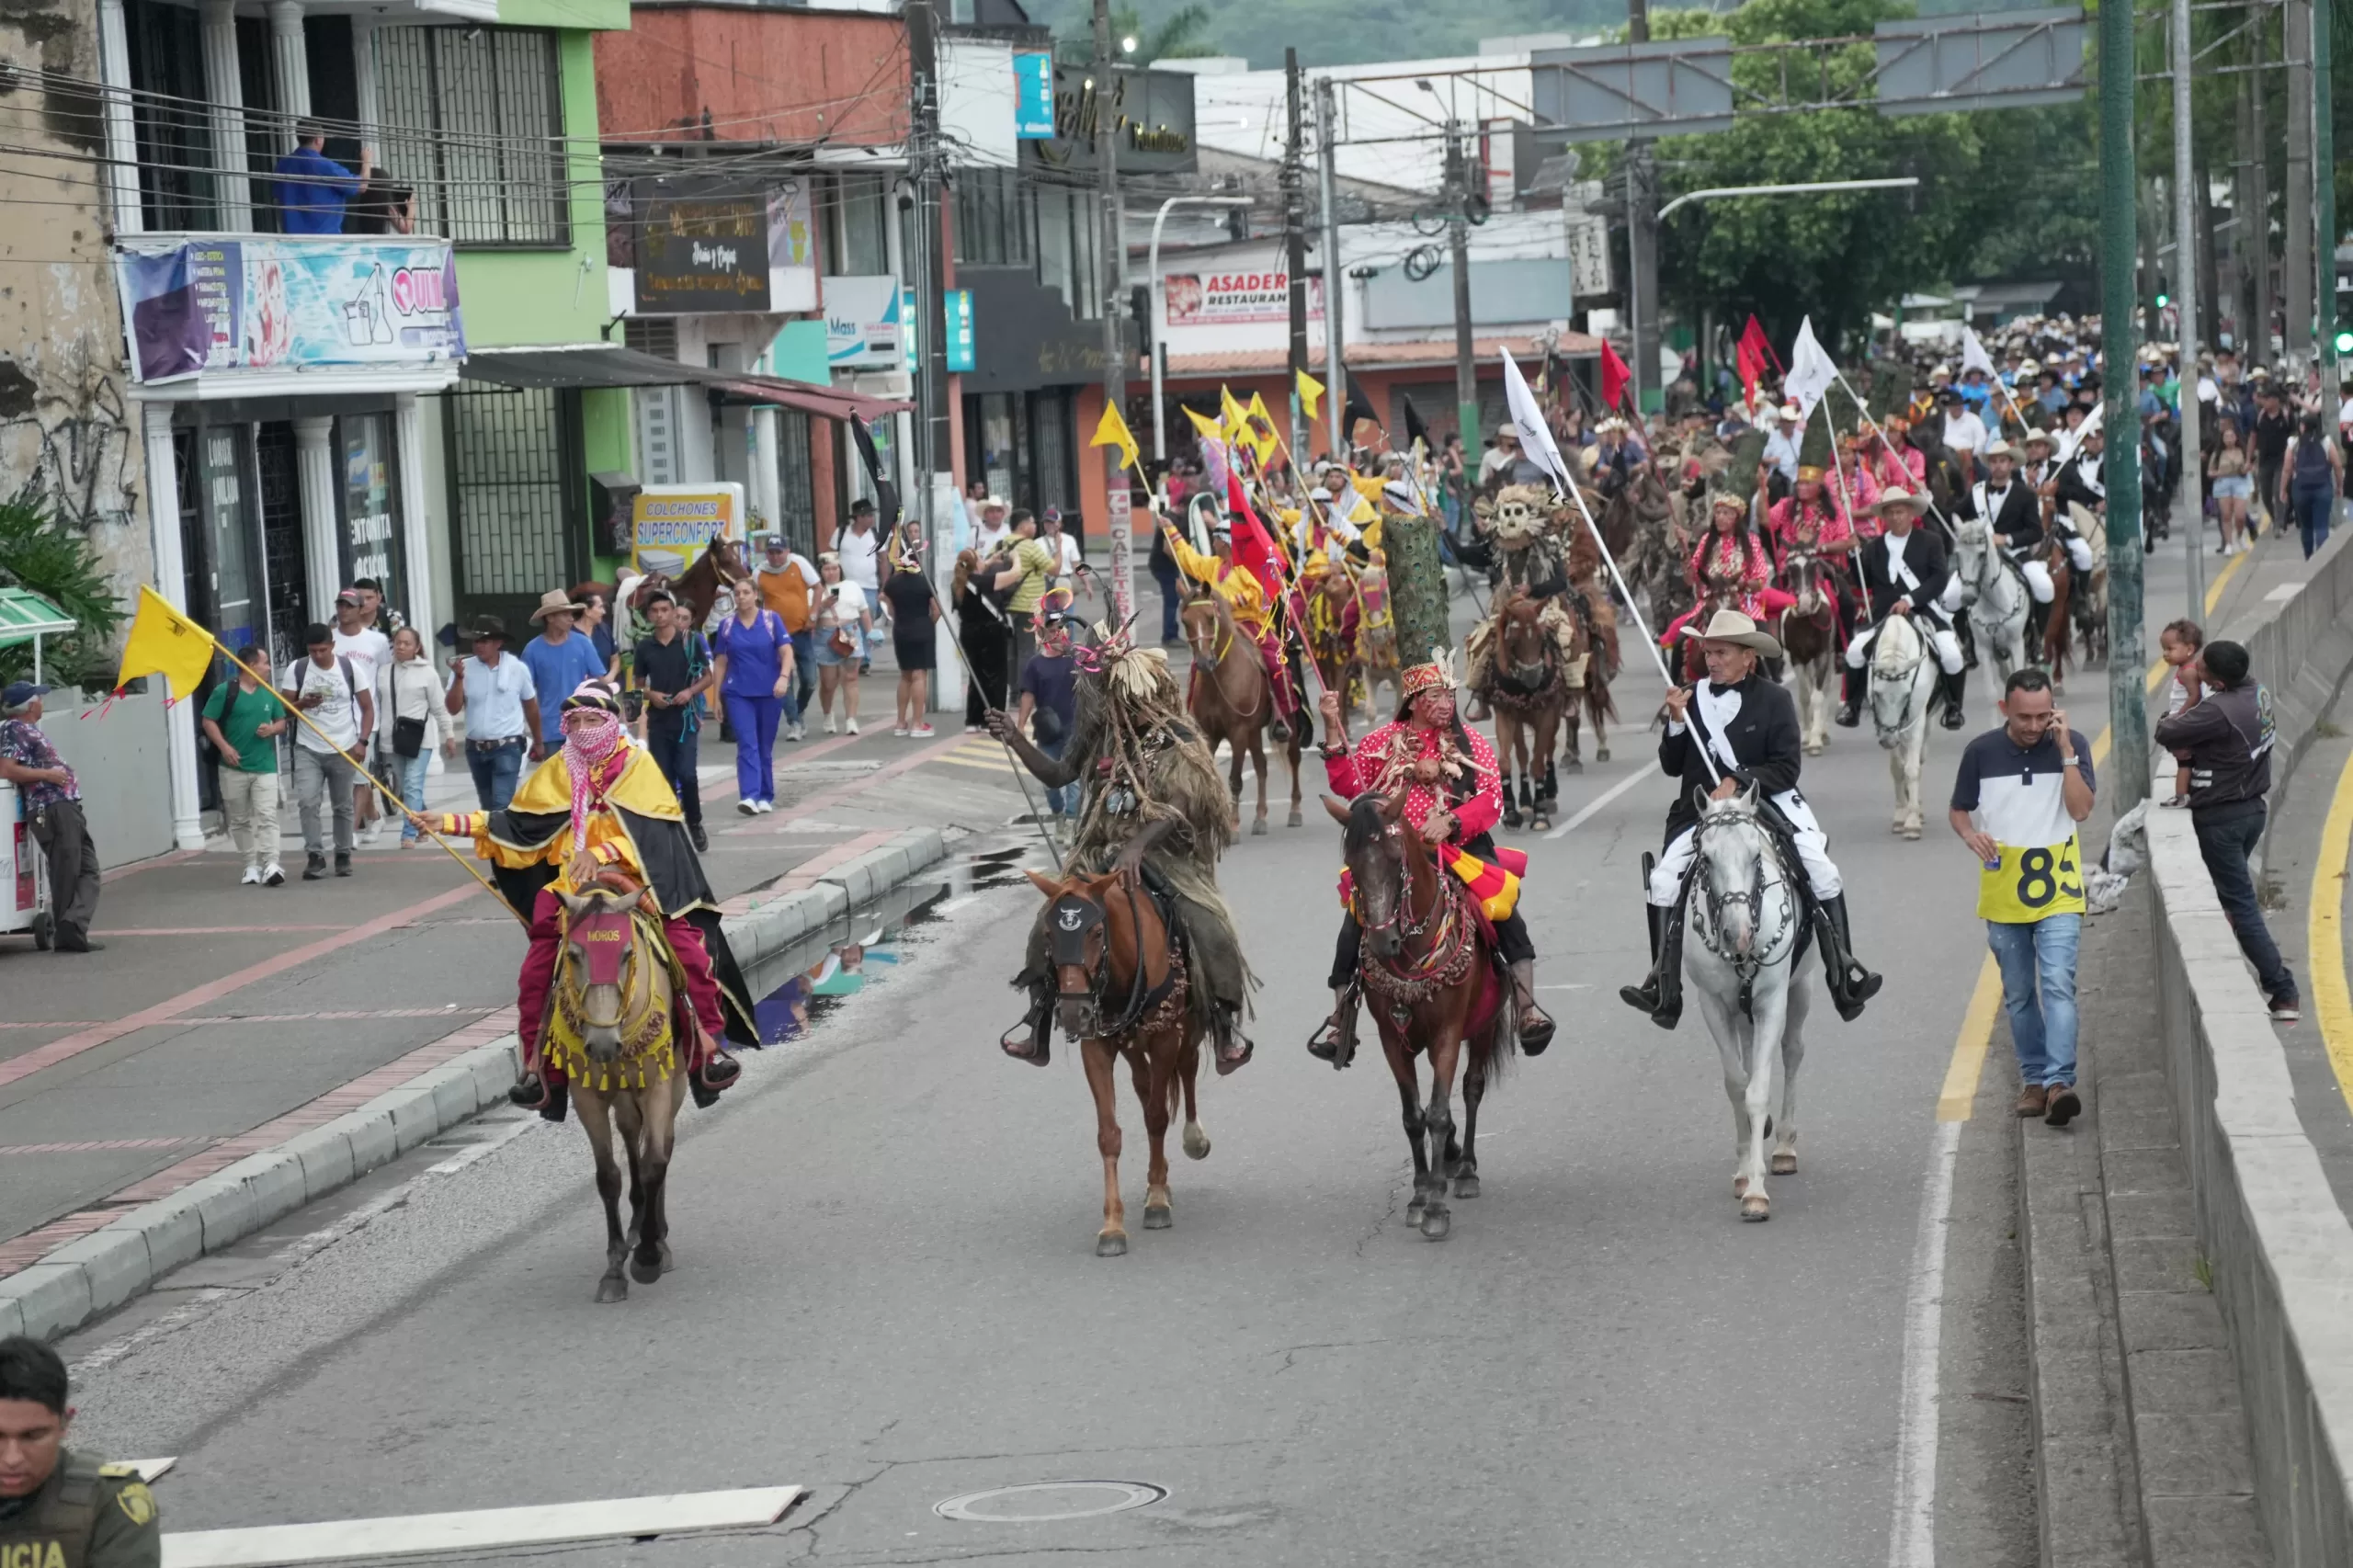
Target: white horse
[(1995, 594), (1903, 677), (1745, 922)]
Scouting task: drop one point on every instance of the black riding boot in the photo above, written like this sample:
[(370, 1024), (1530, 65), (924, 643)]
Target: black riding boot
[(1954, 691), (1040, 1048), (1336, 1040), (1968, 640), (1850, 697), (1851, 985), (2038, 620), (1661, 993)]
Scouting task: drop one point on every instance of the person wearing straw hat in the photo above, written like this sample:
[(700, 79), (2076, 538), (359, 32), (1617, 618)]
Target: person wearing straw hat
[(2013, 515), (600, 814), (558, 660), (1748, 726), (1453, 796), (1905, 573)]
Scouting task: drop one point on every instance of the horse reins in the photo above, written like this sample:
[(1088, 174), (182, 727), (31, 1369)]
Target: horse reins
[(1746, 967), (1445, 960), (1142, 998)]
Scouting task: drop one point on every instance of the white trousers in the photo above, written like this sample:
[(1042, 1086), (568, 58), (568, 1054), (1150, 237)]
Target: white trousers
[(1812, 846), (1950, 600), (2037, 580), (1940, 638), (2079, 551)]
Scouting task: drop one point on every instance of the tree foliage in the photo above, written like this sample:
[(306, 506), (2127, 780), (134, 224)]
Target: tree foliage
[(40, 552), (1182, 34)]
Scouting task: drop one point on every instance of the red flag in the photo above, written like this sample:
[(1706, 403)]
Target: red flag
[(1614, 377), (1252, 548)]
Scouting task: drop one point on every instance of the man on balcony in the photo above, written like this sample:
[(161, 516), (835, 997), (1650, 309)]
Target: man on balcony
[(312, 188)]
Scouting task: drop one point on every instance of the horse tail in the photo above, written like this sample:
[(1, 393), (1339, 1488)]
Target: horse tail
[(1598, 704)]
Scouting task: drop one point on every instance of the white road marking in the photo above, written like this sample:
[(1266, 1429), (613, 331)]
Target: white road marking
[(1913, 1539), (1586, 812), (479, 1530), (489, 1145)]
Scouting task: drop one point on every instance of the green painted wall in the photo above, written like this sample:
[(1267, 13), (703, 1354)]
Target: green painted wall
[(609, 444), (546, 296), (798, 353), (611, 16)]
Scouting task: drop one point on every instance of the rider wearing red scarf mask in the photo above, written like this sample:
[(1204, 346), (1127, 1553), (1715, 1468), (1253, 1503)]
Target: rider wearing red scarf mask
[(599, 812), (1453, 796)]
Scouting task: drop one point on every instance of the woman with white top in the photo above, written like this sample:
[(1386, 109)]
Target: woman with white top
[(410, 711), (843, 621)]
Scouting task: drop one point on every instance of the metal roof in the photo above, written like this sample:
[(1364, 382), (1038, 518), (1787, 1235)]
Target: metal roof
[(25, 615)]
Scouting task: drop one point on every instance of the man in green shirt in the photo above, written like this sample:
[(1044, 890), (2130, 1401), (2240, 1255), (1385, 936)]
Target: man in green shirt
[(243, 722), (1031, 573)]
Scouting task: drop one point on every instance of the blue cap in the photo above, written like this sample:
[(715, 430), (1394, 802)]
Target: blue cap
[(21, 692)]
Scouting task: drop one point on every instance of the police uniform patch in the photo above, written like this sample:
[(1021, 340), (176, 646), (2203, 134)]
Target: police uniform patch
[(138, 1504)]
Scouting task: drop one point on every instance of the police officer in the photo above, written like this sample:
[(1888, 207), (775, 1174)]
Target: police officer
[(58, 1509)]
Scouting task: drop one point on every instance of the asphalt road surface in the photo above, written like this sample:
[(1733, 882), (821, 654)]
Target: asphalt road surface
[(886, 1287)]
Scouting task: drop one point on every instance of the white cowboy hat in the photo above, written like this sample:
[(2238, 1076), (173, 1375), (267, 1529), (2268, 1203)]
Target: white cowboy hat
[(1897, 495), (1731, 626), (1998, 448), (555, 601), (2045, 437), (1791, 411)]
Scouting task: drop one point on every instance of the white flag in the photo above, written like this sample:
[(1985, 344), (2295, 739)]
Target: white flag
[(1810, 369), (1535, 433), (1973, 356)]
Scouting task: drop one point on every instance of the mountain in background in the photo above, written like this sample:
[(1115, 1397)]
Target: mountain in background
[(1348, 32)]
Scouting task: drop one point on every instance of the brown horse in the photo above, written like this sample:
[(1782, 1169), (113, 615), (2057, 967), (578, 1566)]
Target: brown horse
[(714, 572), (1431, 981), (1809, 638), (612, 1024), (1597, 647), (1529, 692), (1111, 946), (1229, 697)]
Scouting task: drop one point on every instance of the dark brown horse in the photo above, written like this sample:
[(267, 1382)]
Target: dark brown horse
[(1597, 645), (714, 572), (1529, 692), (1431, 979), (1120, 987), (1230, 698), (1809, 642)]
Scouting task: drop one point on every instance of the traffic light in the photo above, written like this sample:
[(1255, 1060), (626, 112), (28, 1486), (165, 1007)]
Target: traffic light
[(2162, 300), (2345, 343)]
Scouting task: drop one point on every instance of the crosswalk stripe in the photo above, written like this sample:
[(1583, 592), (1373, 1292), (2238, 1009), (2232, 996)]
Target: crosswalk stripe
[(478, 1531), (991, 765)]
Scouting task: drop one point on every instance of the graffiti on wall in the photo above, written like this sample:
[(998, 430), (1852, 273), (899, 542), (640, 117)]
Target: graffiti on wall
[(66, 433)]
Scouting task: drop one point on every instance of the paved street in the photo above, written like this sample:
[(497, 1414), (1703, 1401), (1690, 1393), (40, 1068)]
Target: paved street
[(886, 1288)]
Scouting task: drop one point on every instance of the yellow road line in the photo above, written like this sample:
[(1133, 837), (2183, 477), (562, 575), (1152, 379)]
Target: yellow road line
[(2332, 996), (1976, 1035), (995, 765), (1969, 1050)]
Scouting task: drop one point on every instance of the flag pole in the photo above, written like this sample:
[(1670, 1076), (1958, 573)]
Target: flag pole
[(373, 782), (1862, 412)]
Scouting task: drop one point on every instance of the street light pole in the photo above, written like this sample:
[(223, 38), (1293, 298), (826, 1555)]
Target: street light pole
[(2121, 464), (1119, 552), (1160, 305), (1716, 193), (1458, 241), (2189, 505), (1335, 375)]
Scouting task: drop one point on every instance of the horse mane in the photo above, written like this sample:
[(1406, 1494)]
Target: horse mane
[(1366, 824)]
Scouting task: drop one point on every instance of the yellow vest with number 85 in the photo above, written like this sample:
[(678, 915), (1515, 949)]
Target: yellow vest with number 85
[(2033, 884)]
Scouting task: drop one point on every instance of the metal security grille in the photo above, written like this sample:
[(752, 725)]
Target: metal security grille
[(476, 117), (508, 499), (796, 482)]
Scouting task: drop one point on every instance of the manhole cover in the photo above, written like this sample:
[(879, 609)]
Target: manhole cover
[(1046, 1501)]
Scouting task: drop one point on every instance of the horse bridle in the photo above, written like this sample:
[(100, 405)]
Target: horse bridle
[(1911, 686), (1072, 920), (1746, 967)]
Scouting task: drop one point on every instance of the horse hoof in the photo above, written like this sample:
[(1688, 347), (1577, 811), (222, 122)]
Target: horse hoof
[(645, 1271), (1540, 824), (1756, 1207), (1197, 1142), (1601, 755), (611, 1289), (1911, 830), (1466, 1186), (1297, 820), (1785, 1164), (1436, 1222), (1258, 827), (1158, 1218), (1415, 1211), (1111, 1244), (1574, 766)]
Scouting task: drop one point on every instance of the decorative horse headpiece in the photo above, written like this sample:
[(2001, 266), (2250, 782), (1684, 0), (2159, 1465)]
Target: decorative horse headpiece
[(1519, 515)]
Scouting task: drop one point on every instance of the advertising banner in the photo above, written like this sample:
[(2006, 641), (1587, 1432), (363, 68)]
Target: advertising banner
[(957, 305), (670, 525), (264, 303), (1033, 97), (1230, 299), (863, 323)]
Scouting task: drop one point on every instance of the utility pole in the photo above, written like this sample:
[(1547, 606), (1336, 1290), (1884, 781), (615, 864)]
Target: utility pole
[(1118, 503), (2259, 151), (2325, 159), (2120, 463), (2188, 198), (1294, 193), (1458, 244), (2303, 206), (1642, 234), (928, 270), (1336, 374)]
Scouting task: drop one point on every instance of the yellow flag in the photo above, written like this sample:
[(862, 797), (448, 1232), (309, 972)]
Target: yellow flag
[(1311, 392), (165, 642), (1113, 432), (1263, 438), (1237, 418), (1205, 424)]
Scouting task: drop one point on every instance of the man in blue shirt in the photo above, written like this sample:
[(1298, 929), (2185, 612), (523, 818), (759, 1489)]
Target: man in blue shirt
[(312, 188), (558, 660)]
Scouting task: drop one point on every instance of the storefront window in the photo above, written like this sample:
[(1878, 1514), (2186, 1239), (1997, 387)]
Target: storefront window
[(228, 523), (858, 225), (371, 535)]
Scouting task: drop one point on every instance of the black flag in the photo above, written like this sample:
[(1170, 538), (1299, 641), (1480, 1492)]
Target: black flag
[(1415, 431), (886, 494), (1356, 409)]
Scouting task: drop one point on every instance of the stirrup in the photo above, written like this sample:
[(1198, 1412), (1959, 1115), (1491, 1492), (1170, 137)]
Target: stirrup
[(717, 1072), (1335, 1041), (1534, 1037), (1228, 1029), (1039, 1049), (530, 1092)]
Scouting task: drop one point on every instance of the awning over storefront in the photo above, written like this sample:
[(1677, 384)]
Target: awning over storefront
[(612, 366)]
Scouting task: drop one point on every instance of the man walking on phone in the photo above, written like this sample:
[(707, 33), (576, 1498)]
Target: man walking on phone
[(2020, 792)]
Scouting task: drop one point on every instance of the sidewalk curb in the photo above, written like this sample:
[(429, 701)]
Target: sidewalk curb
[(95, 1274)]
